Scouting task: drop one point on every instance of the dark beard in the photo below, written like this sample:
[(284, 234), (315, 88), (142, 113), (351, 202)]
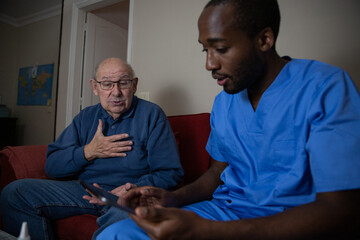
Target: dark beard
[(247, 74)]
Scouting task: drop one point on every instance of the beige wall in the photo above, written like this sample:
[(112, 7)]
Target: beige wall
[(23, 47), (325, 30), (167, 57), (170, 65), (8, 66)]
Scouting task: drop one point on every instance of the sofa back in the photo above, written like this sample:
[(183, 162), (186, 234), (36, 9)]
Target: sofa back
[(192, 132), (22, 162)]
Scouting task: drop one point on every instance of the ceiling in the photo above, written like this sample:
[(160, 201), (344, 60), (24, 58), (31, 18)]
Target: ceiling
[(20, 8), (117, 13), (22, 12)]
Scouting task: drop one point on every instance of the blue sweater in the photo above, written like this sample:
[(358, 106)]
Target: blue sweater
[(154, 159)]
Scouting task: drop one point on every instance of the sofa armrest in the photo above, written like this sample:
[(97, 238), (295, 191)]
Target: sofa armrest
[(22, 162)]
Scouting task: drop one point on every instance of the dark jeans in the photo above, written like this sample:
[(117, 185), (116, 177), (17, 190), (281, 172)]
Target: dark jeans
[(39, 201)]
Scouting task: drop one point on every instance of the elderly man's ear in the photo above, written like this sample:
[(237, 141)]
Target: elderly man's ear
[(94, 86), (135, 82)]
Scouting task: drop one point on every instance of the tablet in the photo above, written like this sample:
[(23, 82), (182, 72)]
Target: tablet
[(106, 197)]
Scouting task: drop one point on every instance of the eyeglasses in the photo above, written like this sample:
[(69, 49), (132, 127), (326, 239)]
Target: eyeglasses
[(108, 85)]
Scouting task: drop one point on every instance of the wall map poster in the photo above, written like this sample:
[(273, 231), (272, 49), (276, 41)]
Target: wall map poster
[(35, 85)]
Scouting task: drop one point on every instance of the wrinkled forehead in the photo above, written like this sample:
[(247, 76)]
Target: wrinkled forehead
[(113, 70)]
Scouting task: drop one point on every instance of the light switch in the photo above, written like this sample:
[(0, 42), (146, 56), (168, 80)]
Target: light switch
[(143, 95)]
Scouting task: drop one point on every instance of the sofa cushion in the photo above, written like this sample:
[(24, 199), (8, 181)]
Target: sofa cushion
[(76, 228)]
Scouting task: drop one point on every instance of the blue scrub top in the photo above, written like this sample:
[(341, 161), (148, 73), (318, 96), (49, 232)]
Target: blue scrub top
[(302, 139)]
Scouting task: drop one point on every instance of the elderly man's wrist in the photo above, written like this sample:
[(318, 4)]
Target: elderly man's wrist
[(87, 153)]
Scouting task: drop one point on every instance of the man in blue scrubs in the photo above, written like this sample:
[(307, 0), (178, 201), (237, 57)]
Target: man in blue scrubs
[(284, 138), (120, 143)]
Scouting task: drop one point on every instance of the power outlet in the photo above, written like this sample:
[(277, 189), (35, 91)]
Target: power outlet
[(144, 95)]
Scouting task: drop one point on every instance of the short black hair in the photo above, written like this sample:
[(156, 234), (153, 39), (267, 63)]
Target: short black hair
[(252, 16)]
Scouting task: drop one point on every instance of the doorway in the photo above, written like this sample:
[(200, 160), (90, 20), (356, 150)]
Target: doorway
[(106, 35), (88, 46)]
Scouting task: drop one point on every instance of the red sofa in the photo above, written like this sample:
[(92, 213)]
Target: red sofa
[(191, 133)]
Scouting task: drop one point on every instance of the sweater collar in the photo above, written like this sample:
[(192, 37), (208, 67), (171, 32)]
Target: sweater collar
[(128, 114)]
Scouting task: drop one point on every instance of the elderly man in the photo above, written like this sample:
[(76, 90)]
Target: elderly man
[(122, 141), (284, 139)]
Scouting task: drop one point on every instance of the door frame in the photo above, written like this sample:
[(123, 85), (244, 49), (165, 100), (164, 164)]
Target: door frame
[(79, 10), (103, 39)]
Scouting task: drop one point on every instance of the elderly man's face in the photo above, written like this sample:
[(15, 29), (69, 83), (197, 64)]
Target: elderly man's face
[(117, 99)]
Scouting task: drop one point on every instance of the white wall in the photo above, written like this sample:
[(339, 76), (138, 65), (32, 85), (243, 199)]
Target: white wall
[(326, 30), (168, 60), (167, 57), (38, 43), (23, 47), (170, 64)]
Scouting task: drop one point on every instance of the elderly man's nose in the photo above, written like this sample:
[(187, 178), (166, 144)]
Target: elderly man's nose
[(116, 90)]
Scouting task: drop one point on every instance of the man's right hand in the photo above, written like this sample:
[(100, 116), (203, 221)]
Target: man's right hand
[(105, 147)]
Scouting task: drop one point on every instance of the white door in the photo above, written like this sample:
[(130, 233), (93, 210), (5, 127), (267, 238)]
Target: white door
[(102, 40)]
